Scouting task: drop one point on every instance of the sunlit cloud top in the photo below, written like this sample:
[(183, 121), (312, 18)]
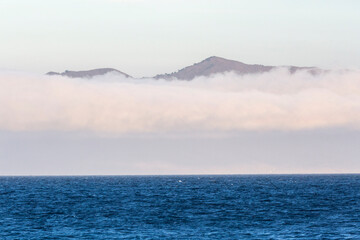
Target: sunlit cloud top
[(225, 102)]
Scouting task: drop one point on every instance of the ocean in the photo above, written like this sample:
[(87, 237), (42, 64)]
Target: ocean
[(181, 207)]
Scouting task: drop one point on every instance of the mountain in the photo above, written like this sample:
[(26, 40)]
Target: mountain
[(88, 73), (207, 67), (213, 65)]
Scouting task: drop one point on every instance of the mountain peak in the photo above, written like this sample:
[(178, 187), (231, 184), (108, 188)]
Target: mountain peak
[(216, 58), (213, 58), (88, 73), (213, 65)]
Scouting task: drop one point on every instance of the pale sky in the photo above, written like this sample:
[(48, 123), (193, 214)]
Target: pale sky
[(54, 153), (144, 38)]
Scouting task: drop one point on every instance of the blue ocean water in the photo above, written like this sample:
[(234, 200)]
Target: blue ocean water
[(181, 207)]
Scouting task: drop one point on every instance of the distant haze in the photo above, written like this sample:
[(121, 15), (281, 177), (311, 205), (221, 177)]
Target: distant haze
[(247, 152), (270, 122)]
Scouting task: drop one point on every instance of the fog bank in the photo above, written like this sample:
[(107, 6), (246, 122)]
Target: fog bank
[(224, 102)]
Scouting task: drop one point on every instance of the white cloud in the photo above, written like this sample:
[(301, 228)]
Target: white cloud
[(224, 102)]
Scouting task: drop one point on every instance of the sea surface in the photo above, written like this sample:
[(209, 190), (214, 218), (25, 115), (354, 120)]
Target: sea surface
[(181, 207)]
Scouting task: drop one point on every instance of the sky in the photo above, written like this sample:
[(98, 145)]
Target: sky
[(268, 123), (145, 38)]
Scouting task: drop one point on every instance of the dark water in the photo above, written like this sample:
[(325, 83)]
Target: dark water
[(181, 207)]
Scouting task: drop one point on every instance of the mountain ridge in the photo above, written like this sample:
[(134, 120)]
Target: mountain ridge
[(209, 66), (88, 73), (214, 65)]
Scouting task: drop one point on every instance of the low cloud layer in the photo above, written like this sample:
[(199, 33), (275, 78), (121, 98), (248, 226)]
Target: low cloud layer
[(225, 102)]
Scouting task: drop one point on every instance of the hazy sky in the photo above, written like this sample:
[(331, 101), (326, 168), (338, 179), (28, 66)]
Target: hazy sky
[(148, 37), (54, 153)]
